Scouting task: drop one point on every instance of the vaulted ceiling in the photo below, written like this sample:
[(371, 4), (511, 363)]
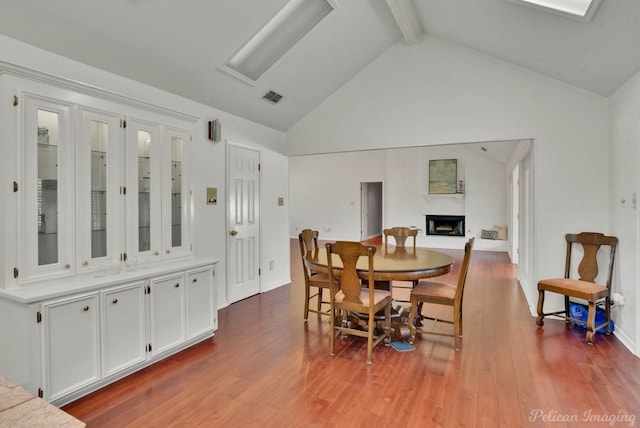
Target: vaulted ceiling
[(178, 46)]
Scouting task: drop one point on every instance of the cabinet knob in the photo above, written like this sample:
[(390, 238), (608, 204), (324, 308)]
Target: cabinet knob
[(194, 280), (156, 253), (86, 308), (168, 251), (67, 266), (114, 301), (177, 284)]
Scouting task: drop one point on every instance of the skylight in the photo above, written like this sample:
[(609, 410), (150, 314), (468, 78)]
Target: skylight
[(581, 9), (275, 38)]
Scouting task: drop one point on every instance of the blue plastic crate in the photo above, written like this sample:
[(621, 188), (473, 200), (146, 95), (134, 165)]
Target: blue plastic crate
[(579, 313)]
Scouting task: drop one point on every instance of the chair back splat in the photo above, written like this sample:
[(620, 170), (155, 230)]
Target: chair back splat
[(354, 307), (400, 234), (584, 287), (591, 243), (399, 290)]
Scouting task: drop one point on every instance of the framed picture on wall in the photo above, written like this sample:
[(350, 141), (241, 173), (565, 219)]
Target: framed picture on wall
[(443, 176)]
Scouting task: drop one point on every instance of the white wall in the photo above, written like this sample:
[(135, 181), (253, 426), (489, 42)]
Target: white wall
[(324, 192), (207, 158), (333, 180), (438, 92), (624, 164), (275, 220)]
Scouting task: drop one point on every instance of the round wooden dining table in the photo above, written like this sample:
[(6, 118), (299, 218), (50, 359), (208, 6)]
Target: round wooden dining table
[(389, 263)]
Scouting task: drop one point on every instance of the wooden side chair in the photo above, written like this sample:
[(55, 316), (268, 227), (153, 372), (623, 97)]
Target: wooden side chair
[(348, 297), (319, 281), (585, 287), (442, 294), (400, 234)]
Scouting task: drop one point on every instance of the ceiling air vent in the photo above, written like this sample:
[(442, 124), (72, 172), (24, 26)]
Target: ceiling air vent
[(273, 97)]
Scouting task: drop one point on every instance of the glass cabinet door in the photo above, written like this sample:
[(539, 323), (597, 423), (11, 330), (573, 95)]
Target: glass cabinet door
[(47, 181), (96, 190), (101, 186), (176, 208), (47, 224), (144, 157)]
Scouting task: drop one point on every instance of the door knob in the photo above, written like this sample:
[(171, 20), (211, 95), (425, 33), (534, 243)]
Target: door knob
[(233, 233)]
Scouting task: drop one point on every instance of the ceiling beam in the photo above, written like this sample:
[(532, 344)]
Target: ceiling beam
[(405, 16)]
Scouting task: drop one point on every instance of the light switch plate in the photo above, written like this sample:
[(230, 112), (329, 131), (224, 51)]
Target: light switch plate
[(212, 196)]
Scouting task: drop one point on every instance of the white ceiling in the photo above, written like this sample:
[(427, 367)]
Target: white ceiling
[(178, 45)]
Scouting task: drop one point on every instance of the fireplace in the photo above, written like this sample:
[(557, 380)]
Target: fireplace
[(445, 225)]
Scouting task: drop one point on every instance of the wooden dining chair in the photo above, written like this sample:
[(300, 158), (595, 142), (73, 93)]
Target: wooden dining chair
[(318, 281), (350, 298), (441, 294), (400, 234), (584, 287)]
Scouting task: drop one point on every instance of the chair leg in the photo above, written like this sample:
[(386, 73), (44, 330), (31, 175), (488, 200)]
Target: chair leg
[(419, 316), (566, 309), (387, 326), (332, 332), (457, 327), (540, 317), (607, 312), (306, 302), (412, 315), (371, 326), (591, 320), (319, 299)]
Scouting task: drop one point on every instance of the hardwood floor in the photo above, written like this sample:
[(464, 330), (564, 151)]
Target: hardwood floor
[(266, 367)]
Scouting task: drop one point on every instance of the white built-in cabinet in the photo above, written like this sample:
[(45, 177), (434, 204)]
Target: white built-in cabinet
[(90, 338), (99, 276)]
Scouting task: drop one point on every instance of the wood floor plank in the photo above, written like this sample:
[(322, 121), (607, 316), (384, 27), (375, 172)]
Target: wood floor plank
[(267, 367)]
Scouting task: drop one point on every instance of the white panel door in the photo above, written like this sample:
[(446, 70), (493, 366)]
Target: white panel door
[(167, 313), (71, 344), (123, 327), (243, 241), (200, 301)]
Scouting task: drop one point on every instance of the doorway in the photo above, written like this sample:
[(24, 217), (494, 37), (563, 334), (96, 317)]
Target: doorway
[(370, 210), (515, 214), (243, 238)]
